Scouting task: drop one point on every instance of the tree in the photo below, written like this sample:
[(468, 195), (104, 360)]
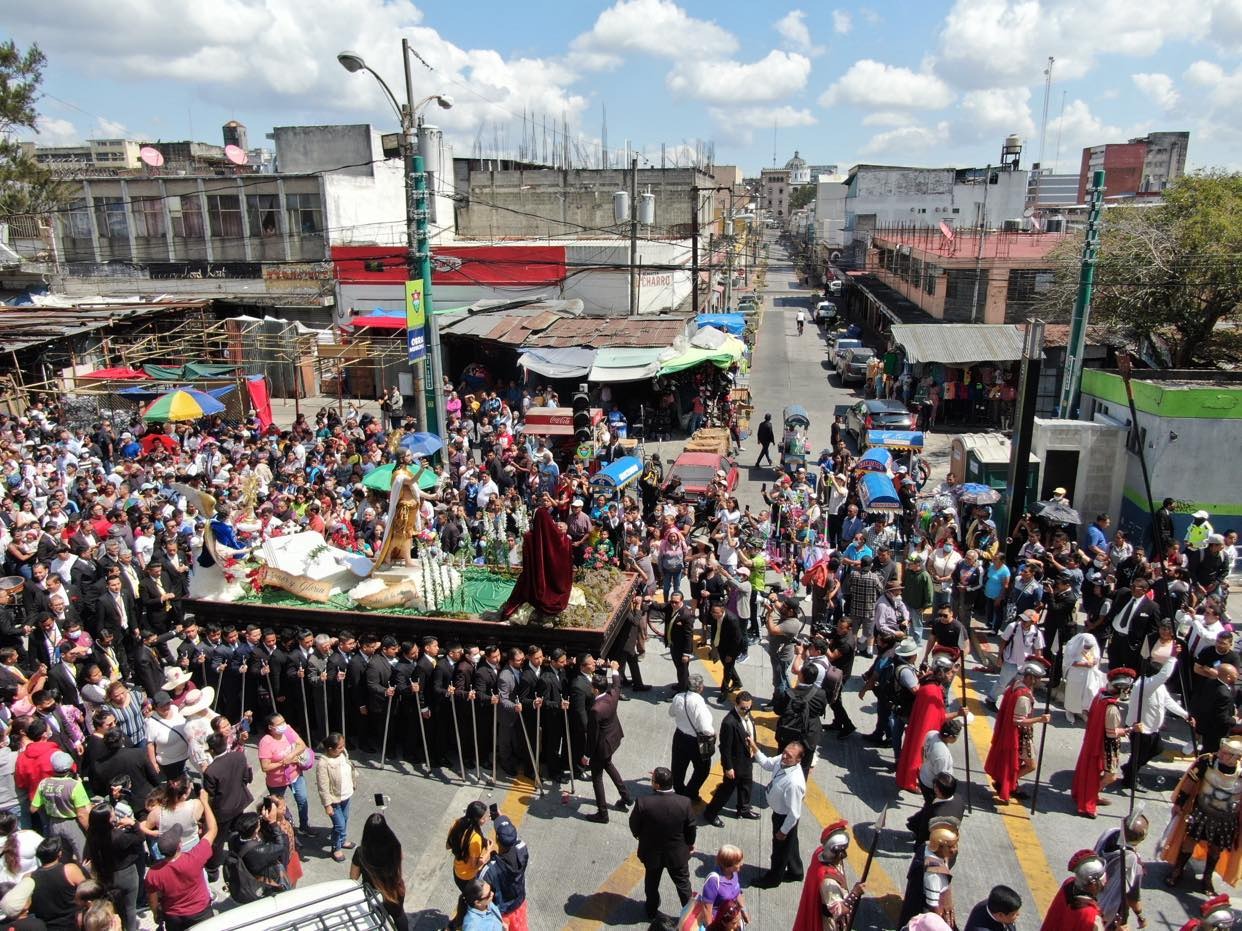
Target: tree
[(1167, 276), (800, 196), (26, 187)]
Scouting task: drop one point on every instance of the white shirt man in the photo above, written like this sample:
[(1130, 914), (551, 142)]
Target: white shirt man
[(690, 713), (1157, 702)]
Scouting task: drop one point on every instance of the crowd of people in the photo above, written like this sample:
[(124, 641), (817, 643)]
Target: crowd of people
[(126, 719)]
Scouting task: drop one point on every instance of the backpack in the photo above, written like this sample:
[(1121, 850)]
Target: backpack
[(795, 718), (241, 883)]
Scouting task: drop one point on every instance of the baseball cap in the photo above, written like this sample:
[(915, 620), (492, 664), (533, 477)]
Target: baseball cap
[(170, 841), (61, 761)]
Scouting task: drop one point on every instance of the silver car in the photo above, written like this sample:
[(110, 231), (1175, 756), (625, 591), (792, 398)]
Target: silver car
[(853, 366)]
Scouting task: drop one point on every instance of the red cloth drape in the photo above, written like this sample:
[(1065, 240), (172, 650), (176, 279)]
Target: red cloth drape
[(256, 387), (1002, 761), (1063, 916), (926, 715), (809, 917), (547, 569), (1085, 789)]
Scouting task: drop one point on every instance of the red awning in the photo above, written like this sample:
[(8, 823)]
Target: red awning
[(379, 322), (115, 374)]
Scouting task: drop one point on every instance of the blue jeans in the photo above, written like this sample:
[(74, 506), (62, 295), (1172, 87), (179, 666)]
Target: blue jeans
[(672, 583), (340, 823), (896, 731), (780, 675), (299, 797)]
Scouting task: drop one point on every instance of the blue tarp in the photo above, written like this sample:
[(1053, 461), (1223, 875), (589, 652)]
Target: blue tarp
[(878, 461), (733, 324), (220, 392), (876, 492), (618, 474)]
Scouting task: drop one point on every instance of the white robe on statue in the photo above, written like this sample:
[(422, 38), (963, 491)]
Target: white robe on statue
[(1082, 683)]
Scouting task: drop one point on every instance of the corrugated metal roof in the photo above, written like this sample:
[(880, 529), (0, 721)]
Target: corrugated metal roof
[(611, 333), (25, 325), (959, 343)]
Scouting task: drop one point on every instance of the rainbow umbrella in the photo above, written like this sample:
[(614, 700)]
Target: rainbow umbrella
[(181, 404)]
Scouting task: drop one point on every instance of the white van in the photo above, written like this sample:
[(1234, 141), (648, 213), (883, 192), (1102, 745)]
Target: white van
[(338, 905)]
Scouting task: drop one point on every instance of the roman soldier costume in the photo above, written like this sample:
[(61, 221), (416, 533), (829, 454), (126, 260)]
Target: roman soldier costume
[(828, 902), (927, 714), (1207, 804), (1099, 759), (1217, 915), (1075, 907)]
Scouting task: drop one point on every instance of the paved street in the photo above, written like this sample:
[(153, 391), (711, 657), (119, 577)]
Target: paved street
[(585, 876)]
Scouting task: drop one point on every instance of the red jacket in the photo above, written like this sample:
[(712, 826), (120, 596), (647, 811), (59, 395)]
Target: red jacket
[(34, 764)]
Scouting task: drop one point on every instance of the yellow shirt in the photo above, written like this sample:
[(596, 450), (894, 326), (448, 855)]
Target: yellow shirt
[(466, 869)]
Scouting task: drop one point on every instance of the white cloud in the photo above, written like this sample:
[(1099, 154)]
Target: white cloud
[(792, 27), (870, 83), (655, 27), (1078, 128), (993, 114), (109, 129), (887, 118), (1158, 87), (994, 43), (776, 75), (51, 130), (906, 140), (281, 55), (1223, 89), (741, 126), (842, 22)]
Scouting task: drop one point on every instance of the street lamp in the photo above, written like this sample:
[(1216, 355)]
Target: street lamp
[(418, 245)]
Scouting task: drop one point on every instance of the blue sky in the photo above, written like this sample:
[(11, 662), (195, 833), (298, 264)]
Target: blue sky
[(917, 83)]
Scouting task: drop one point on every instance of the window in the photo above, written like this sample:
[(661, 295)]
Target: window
[(187, 216), (957, 209), (78, 220), (224, 216), (304, 214), (110, 218), (148, 215), (264, 213)]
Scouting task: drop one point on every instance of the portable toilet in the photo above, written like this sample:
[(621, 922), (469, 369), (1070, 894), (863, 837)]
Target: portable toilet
[(984, 458)]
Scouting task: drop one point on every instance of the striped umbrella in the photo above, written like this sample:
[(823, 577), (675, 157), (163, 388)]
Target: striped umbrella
[(181, 404)]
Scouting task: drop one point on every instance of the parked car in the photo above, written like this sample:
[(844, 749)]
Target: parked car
[(696, 471), (839, 345), (853, 365), (876, 414), (825, 313), (748, 303)]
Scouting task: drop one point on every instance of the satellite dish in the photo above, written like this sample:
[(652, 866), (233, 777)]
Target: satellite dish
[(151, 156), (235, 154)]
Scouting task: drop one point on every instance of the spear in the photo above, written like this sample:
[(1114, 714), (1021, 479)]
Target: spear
[(1043, 737), (875, 842), (966, 738)]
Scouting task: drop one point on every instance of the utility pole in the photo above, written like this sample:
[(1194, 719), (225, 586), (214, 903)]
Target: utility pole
[(728, 241), (1043, 134), (983, 231), (1024, 422), (1071, 379), (415, 233), (694, 249), (634, 236)]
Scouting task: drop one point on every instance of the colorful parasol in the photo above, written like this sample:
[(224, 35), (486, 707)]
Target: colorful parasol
[(182, 404)]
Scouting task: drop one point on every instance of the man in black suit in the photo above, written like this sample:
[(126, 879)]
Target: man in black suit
[(115, 608), (156, 598), (106, 655), (603, 738), (581, 695), (380, 691), (663, 824), (679, 633), (729, 642), (356, 687), (1131, 621), (737, 732)]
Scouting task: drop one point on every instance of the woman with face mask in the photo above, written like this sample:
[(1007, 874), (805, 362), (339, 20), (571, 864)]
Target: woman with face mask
[(283, 758)]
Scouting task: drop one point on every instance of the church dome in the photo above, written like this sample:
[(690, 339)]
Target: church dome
[(796, 162)]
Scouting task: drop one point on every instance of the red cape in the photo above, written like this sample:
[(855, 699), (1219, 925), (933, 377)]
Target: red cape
[(1086, 787), (1062, 916), (1002, 761), (926, 715), (809, 917), (547, 569)]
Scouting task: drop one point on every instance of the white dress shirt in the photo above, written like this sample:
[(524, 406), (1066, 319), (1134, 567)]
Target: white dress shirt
[(690, 712), (786, 790), (1157, 702), (937, 759)]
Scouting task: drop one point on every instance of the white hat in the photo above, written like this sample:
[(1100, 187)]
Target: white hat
[(174, 678), (1201, 515), (198, 701), (1216, 538), (577, 502), (908, 647)]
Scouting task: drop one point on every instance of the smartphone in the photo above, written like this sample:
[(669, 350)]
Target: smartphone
[(381, 800), (493, 810)]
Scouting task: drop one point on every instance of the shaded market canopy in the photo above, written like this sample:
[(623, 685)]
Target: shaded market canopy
[(570, 362), (959, 343)]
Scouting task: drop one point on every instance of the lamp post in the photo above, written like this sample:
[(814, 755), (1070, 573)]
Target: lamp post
[(429, 405)]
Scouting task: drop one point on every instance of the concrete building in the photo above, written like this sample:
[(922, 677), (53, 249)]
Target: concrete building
[(774, 190), (1189, 428), (119, 154), (538, 202), (1143, 166), (938, 274), (891, 195), (830, 199), (818, 171)]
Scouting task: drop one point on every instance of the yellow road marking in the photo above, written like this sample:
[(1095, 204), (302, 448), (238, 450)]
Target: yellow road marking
[(600, 903), (1041, 879)]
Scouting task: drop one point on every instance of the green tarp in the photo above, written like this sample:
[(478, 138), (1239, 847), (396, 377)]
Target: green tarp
[(188, 371), (729, 351)]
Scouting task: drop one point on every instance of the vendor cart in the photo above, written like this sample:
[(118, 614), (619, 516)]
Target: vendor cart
[(795, 442)]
